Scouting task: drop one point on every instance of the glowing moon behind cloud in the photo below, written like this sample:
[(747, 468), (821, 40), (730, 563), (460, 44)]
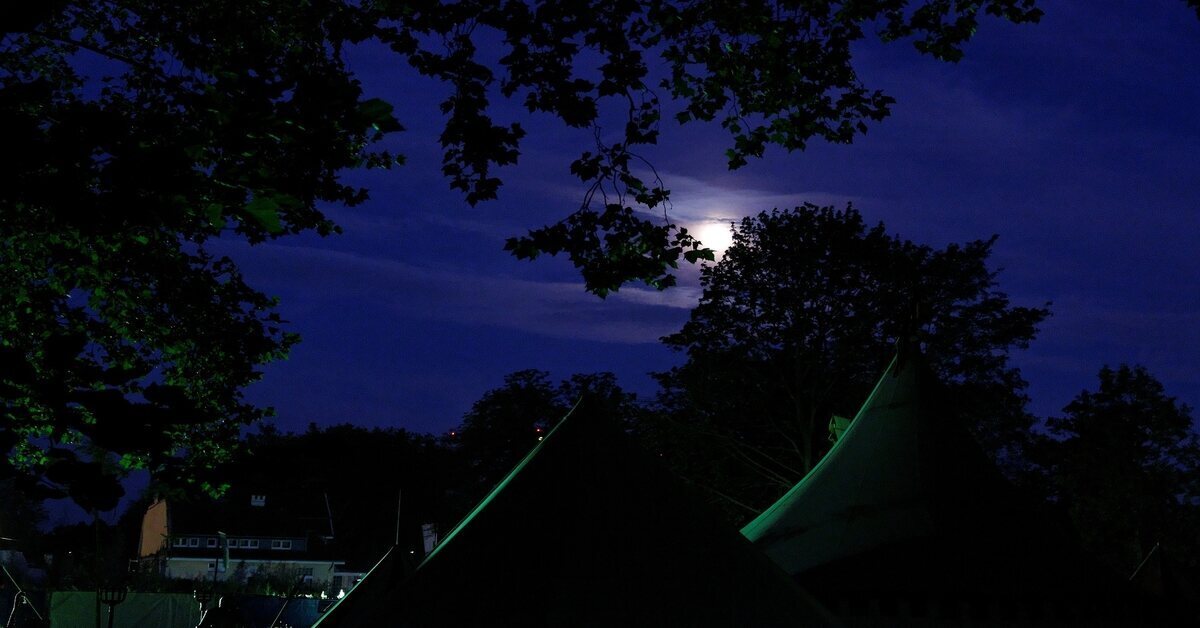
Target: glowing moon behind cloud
[(715, 235)]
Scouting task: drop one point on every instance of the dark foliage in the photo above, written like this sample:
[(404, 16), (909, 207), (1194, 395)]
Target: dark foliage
[(769, 72), (369, 476), (138, 130), (84, 554), (508, 422), (796, 322), (20, 516), (135, 133), (1125, 461)]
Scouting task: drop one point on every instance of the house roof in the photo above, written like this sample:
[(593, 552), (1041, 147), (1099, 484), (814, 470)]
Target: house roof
[(283, 514), (586, 531)]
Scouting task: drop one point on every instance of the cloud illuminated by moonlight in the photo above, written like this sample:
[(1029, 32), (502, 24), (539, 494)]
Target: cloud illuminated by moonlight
[(707, 210)]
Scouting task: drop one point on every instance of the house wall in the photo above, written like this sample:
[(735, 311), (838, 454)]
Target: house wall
[(345, 580), (154, 529), (190, 569), (198, 568), (239, 543)]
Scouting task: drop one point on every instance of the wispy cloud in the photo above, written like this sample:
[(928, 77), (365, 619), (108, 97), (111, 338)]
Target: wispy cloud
[(1087, 332), (705, 208), (679, 297), (553, 309), (697, 200)]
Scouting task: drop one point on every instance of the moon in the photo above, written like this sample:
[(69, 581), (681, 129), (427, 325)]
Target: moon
[(714, 235)]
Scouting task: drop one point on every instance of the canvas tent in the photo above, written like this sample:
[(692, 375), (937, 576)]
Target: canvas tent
[(72, 609), (587, 530), (907, 511)]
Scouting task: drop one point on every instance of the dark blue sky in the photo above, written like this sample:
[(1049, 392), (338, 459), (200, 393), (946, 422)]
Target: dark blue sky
[(1076, 140)]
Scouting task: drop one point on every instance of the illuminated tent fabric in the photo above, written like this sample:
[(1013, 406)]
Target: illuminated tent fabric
[(906, 502), (586, 531), (374, 585), (899, 471), (72, 609)]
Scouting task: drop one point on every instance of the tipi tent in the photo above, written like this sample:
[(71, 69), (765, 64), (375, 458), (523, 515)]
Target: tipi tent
[(587, 530), (906, 510)]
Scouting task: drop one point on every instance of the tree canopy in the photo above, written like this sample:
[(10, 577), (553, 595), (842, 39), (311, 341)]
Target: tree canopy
[(378, 483), (137, 131), (796, 321), (1125, 461), (507, 422)]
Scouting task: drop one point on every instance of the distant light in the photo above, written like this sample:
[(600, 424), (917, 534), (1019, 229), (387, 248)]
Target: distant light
[(341, 593), (539, 438)]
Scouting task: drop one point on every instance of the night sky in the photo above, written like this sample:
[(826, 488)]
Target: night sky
[(1076, 140)]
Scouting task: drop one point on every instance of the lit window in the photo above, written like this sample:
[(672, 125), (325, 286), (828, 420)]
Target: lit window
[(193, 542)]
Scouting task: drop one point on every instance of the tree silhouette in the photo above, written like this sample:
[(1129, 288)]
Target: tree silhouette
[(379, 483), (507, 422), (795, 323), (1125, 461), (136, 131)]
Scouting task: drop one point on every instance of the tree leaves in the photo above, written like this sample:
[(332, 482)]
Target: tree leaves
[(125, 336), (378, 113), (508, 421), (794, 325), (88, 485), (1125, 460), (208, 119), (265, 211), (771, 73)]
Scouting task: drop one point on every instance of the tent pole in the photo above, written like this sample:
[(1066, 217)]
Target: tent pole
[(398, 496)]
